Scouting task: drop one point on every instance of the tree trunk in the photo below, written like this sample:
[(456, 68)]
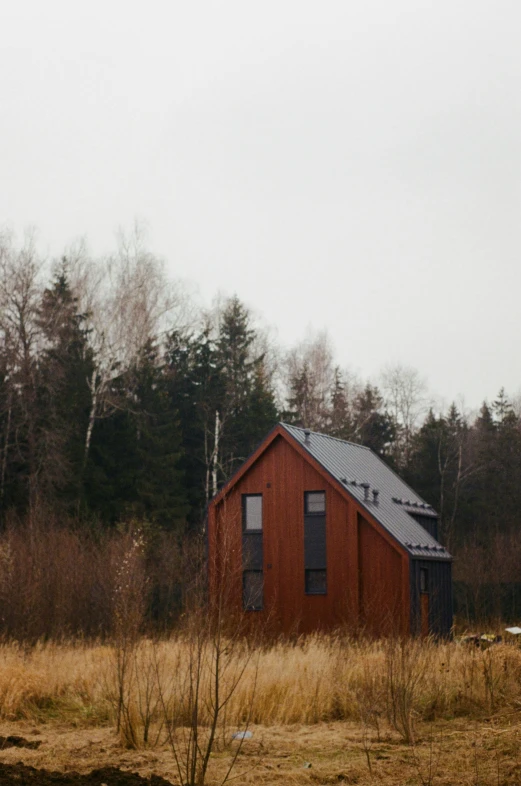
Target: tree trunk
[(215, 454), (6, 448), (92, 417)]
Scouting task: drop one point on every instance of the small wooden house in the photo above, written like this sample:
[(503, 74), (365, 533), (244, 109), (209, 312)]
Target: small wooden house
[(313, 532)]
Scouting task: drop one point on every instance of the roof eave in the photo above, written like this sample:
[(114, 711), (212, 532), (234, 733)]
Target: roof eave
[(370, 509)]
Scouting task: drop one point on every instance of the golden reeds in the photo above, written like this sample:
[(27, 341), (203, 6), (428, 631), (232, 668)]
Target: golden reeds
[(318, 678)]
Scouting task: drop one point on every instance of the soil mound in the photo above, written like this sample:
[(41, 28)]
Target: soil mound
[(18, 742), (22, 775)]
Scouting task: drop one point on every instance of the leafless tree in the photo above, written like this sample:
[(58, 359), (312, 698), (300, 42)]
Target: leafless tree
[(406, 399), (128, 301), (20, 293), (310, 378), (211, 665)]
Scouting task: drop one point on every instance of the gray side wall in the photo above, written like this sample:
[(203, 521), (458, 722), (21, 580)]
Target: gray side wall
[(430, 523), (440, 596)]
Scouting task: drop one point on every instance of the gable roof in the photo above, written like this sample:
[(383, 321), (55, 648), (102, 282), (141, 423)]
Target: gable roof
[(351, 465)]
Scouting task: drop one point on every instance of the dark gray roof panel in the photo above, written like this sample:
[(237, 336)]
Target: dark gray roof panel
[(353, 465)]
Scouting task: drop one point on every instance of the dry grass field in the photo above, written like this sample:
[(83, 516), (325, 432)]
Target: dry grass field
[(321, 710)]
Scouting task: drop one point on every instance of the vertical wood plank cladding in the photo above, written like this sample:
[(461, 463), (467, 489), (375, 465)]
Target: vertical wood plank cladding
[(282, 474), (381, 582), (211, 546), (227, 558), (424, 604), (440, 596)]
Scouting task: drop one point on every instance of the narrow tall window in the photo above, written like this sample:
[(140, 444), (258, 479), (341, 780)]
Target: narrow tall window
[(252, 590), (252, 553), (315, 565), (424, 581), (252, 512), (315, 501)]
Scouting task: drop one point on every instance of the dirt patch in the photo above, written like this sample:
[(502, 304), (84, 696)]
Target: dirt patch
[(18, 742), (18, 774)]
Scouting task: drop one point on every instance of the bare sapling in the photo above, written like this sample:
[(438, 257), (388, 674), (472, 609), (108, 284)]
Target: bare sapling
[(407, 663), (128, 615), (371, 694), (211, 664)]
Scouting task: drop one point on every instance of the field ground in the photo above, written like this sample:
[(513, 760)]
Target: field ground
[(453, 752), (322, 713)]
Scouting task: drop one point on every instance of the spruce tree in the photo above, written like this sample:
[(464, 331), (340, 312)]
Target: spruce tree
[(302, 402), (135, 459), (195, 388), (63, 396), (439, 469), (159, 484), (373, 426), (248, 408), (340, 421)]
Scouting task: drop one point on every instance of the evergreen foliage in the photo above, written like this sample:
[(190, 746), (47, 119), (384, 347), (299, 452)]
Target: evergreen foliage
[(184, 405), (65, 364)]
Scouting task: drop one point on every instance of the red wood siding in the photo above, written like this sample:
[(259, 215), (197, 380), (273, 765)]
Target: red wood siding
[(282, 472), (381, 570)]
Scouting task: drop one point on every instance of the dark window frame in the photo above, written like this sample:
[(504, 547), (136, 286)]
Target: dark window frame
[(424, 581), (308, 512), (245, 529), (313, 572), (252, 534), (310, 572), (251, 607)]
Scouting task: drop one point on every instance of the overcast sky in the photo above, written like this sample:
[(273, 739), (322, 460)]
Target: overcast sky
[(354, 166)]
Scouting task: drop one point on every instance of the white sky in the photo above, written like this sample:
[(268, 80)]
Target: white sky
[(348, 165)]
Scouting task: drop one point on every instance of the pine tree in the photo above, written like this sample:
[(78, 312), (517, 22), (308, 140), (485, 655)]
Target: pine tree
[(373, 426), (135, 458), (248, 409), (340, 421), (504, 464), (65, 365), (502, 409), (260, 413), (195, 387), (439, 469), (159, 485), (302, 403)]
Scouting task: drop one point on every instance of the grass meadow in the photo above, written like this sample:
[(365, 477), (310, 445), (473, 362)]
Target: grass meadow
[(322, 709)]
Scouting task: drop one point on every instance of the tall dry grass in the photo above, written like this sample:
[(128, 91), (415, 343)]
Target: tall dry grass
[(319, 678)]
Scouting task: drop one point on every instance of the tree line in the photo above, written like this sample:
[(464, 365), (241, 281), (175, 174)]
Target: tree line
[(122, 400)]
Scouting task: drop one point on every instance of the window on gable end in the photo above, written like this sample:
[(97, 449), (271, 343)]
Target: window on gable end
[(315, 559), (252, 512), (252, 553)]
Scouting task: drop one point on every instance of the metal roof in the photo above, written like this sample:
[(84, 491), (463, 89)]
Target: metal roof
[(353, 465)]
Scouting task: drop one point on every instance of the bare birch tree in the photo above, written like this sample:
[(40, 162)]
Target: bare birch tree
[(405, 393), (128, 301), (20, 293), (310, 379)]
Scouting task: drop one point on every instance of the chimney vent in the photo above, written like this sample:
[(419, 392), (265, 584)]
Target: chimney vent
[(307, 432), (366, 488), (375, 496)]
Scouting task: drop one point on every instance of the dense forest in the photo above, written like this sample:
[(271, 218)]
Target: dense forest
[(122, 400)]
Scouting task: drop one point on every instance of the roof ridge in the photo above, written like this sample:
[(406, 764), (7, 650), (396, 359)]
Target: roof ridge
[(364, 447), (327, 436)]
